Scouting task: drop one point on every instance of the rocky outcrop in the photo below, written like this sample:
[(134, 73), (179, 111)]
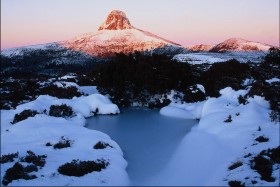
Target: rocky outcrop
[(116, 20)]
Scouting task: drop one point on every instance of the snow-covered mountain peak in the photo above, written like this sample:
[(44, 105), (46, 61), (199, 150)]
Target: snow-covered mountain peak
[(115, 35), (116, 20)]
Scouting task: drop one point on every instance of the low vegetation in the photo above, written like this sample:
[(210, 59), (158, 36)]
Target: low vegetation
[(17, 171), (80, 168), (38, 160), (60, 92), (24, 115), (235, 165), (101, 145), (8, 158), (262, 139), (263, 163), (225, 74), (236, 183), (63, 143), (20, 171), (61, 111), (228, 120), (137, 77)]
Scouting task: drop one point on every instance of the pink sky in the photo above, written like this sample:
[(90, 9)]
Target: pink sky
[(187, 22)]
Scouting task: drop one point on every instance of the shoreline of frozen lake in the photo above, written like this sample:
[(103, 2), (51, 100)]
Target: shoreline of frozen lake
[(147, 139)]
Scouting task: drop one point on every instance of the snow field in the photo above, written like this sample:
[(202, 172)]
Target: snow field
[(34, 132), (205, 154)]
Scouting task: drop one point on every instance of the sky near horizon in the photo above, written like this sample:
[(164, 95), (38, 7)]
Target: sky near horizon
[(187, 22)]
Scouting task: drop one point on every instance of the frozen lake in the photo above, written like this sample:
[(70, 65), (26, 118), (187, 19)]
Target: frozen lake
[(147, 139)]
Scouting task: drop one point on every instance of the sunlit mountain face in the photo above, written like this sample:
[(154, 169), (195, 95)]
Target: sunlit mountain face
[(117, 35)]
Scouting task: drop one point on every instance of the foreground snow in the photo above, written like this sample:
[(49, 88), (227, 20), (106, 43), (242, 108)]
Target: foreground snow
[(204, 155), (35, 132)]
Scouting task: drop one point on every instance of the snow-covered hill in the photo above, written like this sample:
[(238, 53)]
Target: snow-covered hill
[(237, 45), (115, 35)]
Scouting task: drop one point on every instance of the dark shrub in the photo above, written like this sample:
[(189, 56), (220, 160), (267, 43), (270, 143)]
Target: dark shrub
[(236, 184), (24, 115), (79, 168), (262, 139), (30, 168), (16, 172), (159, 103), (254, 182), (248, 155), (273, 56), (270, 93), (274, 116), (63, 143), (242, 100), (17, 89), (235, 165), (59, 92), (194, 94), (274, 154), (101, 145), (263, 166), (61, 111), (224, 74), (228, 120), (136, 77), (48, 144), (8, 158), (33, 158)]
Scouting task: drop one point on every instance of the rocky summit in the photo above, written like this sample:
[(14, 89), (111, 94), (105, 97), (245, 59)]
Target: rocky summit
[(116, 20)]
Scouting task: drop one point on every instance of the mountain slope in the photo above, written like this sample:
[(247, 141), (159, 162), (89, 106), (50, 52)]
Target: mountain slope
[(238, 45), (200, 48)]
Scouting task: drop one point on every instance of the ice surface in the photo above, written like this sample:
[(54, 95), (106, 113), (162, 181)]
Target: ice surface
[(147, 139)]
